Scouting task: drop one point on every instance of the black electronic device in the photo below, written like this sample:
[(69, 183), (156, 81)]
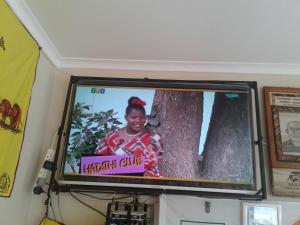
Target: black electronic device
[(120, 213), (194, 137)]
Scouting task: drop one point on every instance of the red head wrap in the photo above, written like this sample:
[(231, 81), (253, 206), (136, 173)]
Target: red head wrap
[(137, 101)]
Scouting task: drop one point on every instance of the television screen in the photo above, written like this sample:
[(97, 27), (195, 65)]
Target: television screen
[(159, 134)]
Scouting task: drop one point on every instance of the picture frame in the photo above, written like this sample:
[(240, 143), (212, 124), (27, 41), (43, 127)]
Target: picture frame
[(282, 111), (190, 222), (260, 214)]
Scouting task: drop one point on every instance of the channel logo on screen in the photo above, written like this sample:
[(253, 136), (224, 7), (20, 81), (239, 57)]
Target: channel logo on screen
[(232, 96), (98, 90)]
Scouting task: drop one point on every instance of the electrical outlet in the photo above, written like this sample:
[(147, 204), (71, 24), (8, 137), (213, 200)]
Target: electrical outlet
[(50, 155), (43, 173)]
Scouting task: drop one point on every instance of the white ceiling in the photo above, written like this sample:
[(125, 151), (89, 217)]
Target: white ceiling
[(199, 32)]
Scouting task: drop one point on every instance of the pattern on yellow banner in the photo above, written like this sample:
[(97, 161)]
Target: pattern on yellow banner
[(19, 54)]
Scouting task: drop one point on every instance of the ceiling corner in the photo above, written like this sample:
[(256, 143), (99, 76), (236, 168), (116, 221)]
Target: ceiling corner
[(25, 15)]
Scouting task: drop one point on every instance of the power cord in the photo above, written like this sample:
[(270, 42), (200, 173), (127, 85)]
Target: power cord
[(104, 199), (82, 202), (51, 206), (59, 209)]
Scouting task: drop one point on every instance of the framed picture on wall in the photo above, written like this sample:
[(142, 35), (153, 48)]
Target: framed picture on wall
[(282, 110), (282, 106), (261, 214)]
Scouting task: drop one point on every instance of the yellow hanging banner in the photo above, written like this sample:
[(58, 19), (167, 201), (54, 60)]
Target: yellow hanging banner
[(19, 54), (47, 221)]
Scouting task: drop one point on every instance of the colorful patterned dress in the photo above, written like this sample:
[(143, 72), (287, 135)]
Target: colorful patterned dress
[(147, 145)]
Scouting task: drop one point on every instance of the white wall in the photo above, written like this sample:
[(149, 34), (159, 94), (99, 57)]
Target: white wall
[(226, 210), (14, 210)]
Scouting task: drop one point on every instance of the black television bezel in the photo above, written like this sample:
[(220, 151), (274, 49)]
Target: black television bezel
[(157, 186)]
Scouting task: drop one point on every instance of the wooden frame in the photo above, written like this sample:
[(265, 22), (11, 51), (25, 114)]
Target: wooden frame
[(282, 108), (256, 213)]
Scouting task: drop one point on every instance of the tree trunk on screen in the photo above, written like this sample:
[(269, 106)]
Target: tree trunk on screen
[(180, 117), (227, 154)]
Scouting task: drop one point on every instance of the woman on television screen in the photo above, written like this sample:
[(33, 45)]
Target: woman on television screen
[(134, 139)]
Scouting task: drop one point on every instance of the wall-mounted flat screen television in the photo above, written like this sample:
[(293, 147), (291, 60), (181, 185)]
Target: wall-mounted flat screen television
[(173, 136)]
